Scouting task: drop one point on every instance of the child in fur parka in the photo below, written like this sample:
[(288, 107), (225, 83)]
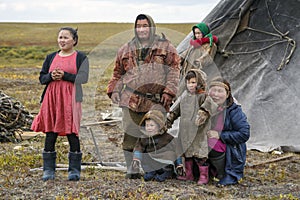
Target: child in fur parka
[(154, 151), (194, 107)]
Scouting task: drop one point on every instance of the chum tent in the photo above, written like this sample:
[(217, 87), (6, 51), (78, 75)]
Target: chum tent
[(258, 55)]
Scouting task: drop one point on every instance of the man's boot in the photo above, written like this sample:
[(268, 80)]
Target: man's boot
[(128, 155), (49, 159), (74, 166), (188, 170)]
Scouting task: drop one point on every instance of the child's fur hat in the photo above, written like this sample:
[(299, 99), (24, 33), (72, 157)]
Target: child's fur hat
[(155, 115)]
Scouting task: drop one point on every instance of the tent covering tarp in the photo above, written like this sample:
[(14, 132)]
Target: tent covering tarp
[(257, 54)]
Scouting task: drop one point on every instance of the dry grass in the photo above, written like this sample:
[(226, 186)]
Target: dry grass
[(90, 34)]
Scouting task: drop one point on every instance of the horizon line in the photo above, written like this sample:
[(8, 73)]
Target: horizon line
[(72, 22)]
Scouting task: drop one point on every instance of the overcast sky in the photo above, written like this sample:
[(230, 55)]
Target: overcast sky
[(162, 11)]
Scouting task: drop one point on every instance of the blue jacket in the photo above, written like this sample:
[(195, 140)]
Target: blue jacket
[(235, 134)]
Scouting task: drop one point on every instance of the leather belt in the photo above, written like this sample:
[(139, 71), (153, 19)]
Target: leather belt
[(153, 97)]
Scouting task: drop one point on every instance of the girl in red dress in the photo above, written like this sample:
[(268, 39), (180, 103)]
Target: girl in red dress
[(63, 72)]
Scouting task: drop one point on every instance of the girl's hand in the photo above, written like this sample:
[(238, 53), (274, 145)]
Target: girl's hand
[(57, 74), (213, 134), (60, 74)]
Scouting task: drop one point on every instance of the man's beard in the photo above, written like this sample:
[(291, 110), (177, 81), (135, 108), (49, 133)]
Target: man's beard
[(143, 39)]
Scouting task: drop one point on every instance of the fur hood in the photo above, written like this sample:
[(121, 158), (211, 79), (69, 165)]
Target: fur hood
[(201, 79), (151, 24), (156, 116)]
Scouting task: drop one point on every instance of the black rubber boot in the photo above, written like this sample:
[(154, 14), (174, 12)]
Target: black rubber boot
[(49, 159), (74, 166), (219, 164)]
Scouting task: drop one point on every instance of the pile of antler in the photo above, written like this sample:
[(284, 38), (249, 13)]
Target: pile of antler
[(14, 119)]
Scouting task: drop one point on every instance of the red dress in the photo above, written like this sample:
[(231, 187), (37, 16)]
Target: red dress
[(59, 112)]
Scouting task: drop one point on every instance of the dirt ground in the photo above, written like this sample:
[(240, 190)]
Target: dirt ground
[(265, 178), (273, 175)]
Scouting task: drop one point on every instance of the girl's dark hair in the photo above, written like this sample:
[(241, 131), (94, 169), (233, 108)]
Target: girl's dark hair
[(73, 33), (190, 75)]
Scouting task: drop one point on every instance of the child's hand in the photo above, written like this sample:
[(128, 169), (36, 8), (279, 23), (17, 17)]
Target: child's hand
[(180, 170), (201, 117), (213, 134), (170, 119)]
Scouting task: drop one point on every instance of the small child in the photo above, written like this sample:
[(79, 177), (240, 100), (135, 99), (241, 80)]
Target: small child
[(194, 107), (154, 151)]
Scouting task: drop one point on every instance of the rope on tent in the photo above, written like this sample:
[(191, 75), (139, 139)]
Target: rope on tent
[(283, 37), (286, 59), (256, 41), (254, 51)]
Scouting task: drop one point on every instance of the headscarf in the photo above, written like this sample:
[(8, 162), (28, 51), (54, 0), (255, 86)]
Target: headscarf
[(205, 32), (219, 81)]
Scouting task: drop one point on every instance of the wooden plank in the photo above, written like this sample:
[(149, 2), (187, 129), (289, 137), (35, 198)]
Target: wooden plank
[(64, 167), (29, 134), (270, 161), (102, 122)]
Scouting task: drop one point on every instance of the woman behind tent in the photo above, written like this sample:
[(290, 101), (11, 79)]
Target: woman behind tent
[(228, 135), (200, 53)]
